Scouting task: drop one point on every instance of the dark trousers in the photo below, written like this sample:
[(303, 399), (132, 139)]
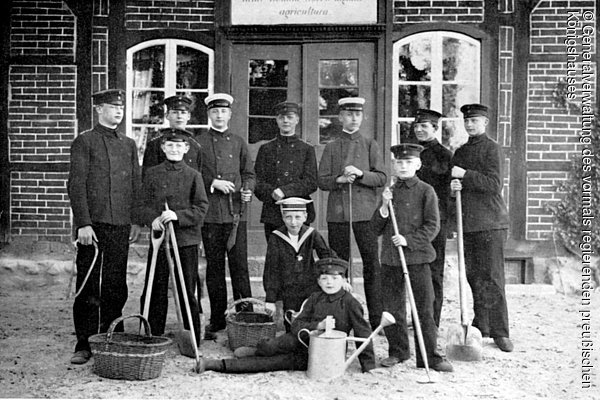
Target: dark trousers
[(437, 271), (484, 261), (269, 228), (159, 300), (102, 299), (278, 354), (214, 237), (394, 302), (339, 241)]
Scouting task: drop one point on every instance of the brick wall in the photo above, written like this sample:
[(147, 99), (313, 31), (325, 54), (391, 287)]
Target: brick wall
[(506, 48), (41, 115), (419, 11), (40, 209), (41, 125), (42, 28), (541, 190), (41, 118), (551, 130), (549, 22), (99, 58), (192, 15)]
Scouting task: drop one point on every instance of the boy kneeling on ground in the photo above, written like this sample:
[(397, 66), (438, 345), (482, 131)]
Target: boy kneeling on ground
[(285, 352)]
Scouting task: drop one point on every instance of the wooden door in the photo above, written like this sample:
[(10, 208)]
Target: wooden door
[(262, 77), (333, 71), (313, 74)]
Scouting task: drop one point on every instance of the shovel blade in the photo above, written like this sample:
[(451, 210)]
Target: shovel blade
[(464, 347), (186, 347)]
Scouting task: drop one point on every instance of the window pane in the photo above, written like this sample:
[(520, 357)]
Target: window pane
[(197, 109), (262, 101), (404, 133), (148, 68), (337, 79), (329, 129), (192, 68), (414, 60), (147, 107), (141, 136), (261, 129), (328, 99), (453, 134), (338, 73), (454, 96), (458, 57), (268, 73), (411, 98)]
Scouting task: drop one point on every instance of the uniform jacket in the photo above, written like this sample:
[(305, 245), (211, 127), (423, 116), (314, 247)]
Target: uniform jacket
[(225, 156), (289, 272), (482, 205), (435, 170), (348, 314), (287, 163), (183, 189), (351, 149), (104, 178), (153, 155), (416, 209)]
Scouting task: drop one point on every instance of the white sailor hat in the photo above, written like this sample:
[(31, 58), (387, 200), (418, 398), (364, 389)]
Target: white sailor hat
[(351, 103), (293, 204), (218, 100)]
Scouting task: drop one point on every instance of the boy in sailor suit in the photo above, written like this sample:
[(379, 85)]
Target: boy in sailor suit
[(289, 273)]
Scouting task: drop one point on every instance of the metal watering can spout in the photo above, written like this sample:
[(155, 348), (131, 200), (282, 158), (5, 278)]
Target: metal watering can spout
[(327, 351), (387, 319)]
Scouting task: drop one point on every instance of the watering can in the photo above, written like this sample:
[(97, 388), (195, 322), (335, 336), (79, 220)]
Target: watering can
[(327, 350)]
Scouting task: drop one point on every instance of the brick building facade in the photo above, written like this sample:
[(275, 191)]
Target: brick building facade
[(509, 54)]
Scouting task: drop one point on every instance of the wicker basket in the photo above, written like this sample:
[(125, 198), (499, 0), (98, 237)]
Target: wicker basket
[(119, 355), (247, 328)]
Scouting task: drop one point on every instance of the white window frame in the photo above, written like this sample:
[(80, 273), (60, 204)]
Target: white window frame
[(170, 88), (436, 82)]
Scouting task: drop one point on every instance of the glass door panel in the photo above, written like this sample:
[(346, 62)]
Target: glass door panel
[(262, 76), (343, 70), (314, 75)]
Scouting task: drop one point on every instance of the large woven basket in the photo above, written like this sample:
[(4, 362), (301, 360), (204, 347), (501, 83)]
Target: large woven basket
[(248, 328), (119, 355)]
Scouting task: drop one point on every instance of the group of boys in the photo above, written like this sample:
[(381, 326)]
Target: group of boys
[(201, 185)]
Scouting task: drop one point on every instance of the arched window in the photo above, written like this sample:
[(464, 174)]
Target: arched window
[(161, 68), (438, 70)]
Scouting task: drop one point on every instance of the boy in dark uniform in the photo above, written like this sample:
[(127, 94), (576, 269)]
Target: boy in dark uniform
[(285, 167), (104, 185), (353, 162), (477, 173), (285, 352), (229, 180), (435, 170), (178, 115), (417, 215), (182, 188), (289, 273)]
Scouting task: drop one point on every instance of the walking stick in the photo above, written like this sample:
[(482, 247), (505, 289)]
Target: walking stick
[(411, 297), (350, 236)]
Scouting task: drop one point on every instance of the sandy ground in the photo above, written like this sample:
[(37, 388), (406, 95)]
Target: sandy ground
[(37, 338)]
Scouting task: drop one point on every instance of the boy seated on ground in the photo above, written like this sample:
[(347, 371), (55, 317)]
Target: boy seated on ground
[(289, 273), (285, 352)]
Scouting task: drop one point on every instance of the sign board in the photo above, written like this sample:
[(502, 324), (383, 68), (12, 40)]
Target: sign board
[(290, 12)]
